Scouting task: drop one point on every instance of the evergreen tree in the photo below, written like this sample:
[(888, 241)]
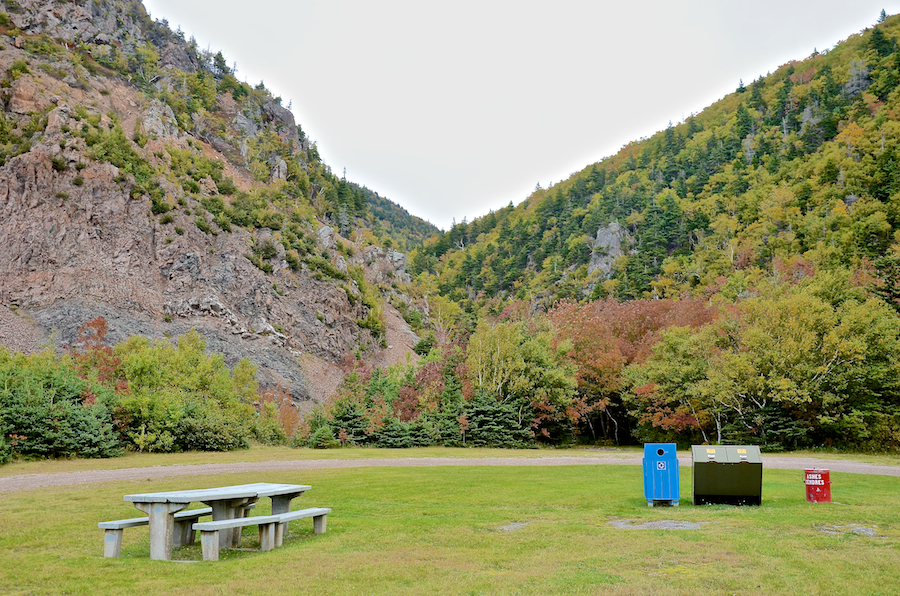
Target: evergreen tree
[(888, 268), (756, 99), (879, 42), (744, 122), (494, 424)]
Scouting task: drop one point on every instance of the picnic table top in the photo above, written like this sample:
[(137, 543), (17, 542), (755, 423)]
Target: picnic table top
[(241, 491)]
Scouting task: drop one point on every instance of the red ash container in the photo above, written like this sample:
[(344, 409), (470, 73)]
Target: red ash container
[(818, 486)]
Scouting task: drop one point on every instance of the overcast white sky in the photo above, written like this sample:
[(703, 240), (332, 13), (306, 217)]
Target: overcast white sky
[(452, 109)]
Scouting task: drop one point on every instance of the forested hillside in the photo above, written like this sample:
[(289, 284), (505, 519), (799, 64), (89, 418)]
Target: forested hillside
[(801, 163), (731, 279)]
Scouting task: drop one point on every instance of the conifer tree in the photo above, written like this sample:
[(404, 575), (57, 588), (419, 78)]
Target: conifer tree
[(756, 99)]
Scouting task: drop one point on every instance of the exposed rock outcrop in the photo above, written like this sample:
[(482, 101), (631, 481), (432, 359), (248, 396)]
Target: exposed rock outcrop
[(81, 238), (610, 244)]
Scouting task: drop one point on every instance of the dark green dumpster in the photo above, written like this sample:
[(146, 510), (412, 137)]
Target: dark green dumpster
[(727, 474)]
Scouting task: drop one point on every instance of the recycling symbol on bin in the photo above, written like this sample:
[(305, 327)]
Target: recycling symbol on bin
[(661, 465)]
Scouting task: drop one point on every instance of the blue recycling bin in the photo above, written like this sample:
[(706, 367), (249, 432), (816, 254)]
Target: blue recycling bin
[(661, 485)]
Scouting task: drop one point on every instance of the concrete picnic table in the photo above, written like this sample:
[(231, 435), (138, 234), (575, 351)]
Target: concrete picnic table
[(226, 502)]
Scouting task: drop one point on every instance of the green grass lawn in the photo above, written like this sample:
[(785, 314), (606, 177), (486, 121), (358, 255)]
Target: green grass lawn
[(417, 531)]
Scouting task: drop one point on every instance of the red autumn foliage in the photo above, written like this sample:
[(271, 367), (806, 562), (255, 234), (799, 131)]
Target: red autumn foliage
[(607, 336), (288, 414), (802, 78), (91, 354), (516, 311), (406, 405), (543, 413), (428, 385), (660, 413), (794, 270)]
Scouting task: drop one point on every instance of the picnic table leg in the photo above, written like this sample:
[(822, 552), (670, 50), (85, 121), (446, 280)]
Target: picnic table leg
[(112, 543), (229, 510), (267, 534), (282, 504), (243, 511), (209, 544), (319, 523), (162, 527), (184, 533)]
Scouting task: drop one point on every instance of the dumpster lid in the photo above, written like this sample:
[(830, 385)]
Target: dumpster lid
[(732, 454)]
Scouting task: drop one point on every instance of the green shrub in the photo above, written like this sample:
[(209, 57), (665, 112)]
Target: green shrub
[(184, 399), (495, 424), (425, 345), (203, 225), (17, 69), (43, 45), (374, 322), (47, 410), (158, 206), (259, 262), (268, 429), (215, 204), (190, 185), (207, 426), (149, 420), (5, 450), (223, 222), (266, 249), (394, 435), (114, 147), (227, 186), (325, 266), (270, 219), (323, 438), (292, 259), (53, 71)]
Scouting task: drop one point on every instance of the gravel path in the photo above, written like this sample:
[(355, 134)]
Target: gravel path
[(33, 481)]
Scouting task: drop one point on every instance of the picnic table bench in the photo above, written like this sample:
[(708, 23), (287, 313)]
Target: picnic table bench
[(182, 535), (271, 529), (165, 509)]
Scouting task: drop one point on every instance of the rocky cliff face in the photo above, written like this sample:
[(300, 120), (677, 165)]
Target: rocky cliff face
[(81, 236), (611, 243), (124, 24)]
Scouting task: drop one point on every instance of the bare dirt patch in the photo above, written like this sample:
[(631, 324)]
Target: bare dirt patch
[(856, 529), (322, 380), (399, 338), (665, 524), (323, 377), (513, 526)]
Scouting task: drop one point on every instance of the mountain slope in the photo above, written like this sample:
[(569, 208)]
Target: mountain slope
[(799, 166), (142, 182)]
